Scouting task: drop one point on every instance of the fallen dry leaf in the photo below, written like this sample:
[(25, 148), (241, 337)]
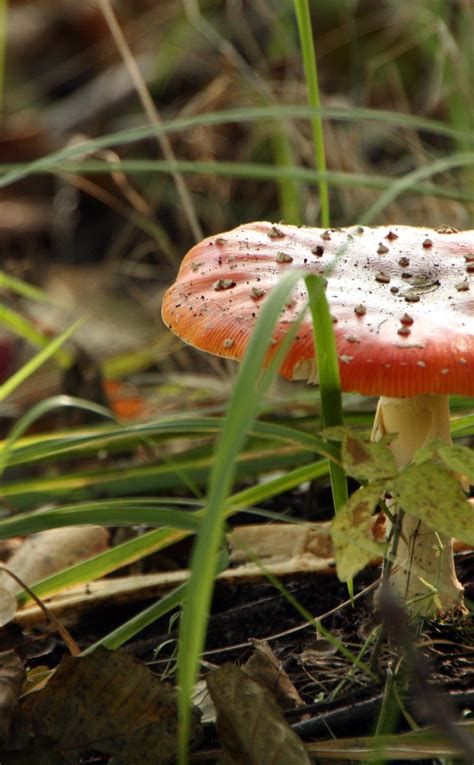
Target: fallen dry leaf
[(264, 667), (49, 551), (12, 675), (108, 702), (250, 724)]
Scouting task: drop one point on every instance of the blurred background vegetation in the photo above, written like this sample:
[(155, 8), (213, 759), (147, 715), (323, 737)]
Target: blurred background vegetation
[(106, 238), (129, 130)]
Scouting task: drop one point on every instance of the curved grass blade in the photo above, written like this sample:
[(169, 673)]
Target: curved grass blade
[(13, 173), (26, 290), (105, 513), (240, 415), (74, 444), (177, 472), (39, 410), (37, 361), (137, 623), (463, 426), (256, 171), (410, 179), (24, 328), (152, 541)]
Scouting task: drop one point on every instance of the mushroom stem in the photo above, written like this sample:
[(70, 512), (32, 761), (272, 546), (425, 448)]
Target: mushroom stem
[(423, 574)]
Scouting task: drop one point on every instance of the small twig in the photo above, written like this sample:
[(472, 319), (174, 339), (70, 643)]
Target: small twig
[(69, 641), (150, 111)]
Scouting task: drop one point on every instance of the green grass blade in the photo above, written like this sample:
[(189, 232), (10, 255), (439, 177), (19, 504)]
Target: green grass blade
[(152, 541), (78, 443), (255, 171), (407, 181), (140, 621), (104, 563), (36, 362), (241, 413), (105, 513), (39, 410), (303, 17), (463, 426), (24, 328), (328, 374), (26, 290), (175, 472), (288, 189), (13, 173)]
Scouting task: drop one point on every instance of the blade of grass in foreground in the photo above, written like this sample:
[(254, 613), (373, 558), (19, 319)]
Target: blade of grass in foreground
[(328, 375), (153, 541), (240, 415), (303, 17), (80, 442)]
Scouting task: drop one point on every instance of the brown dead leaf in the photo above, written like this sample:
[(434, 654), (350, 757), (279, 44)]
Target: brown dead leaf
[(12, 675), (250, 724), (108, 702), (264, 667)]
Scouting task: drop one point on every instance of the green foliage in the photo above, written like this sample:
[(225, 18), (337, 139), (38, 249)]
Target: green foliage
[(351, 531), (52, 348), (432, 494), (426, 489)]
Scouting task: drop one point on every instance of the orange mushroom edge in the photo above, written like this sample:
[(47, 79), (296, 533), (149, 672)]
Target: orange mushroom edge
[(402, 301)]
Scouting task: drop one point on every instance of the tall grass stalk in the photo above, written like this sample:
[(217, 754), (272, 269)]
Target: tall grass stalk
[(305, 30), (241, 412), (328, 373)]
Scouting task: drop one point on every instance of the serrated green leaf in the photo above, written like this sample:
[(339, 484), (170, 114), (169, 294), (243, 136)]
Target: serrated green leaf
[(460, 459), (351, 531), (432, 494), (429, 451), (365, 460)]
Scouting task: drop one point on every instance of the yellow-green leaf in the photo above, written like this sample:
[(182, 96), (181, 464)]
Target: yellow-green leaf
[(351, 531), (431, 493), (460, 459), (365, 460)]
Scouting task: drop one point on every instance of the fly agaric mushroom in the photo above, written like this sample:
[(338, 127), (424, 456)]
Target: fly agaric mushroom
[(402, 301)]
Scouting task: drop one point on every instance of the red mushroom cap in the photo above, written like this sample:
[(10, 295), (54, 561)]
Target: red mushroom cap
[(402, 299)]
